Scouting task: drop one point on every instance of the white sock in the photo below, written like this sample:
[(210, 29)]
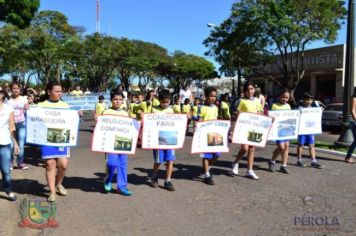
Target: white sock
[(285, 165), (168, 180), (207, 174), (273, 161), (314, 160)]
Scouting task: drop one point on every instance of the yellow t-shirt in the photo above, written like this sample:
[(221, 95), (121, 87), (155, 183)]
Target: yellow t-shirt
[(224, 111), (77, 92), (186, 108), (280, 106), (123, 106), (155, 102), (131, 110), (115, 112), (195, 110), (250, 105), (48, 104), (100, 108), (209, 112), (176, 108), (158, 109), (134, 110), (146, 108)]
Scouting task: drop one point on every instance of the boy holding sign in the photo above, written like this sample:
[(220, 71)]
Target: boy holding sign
[(209, 112), (307, 139), (160, 156), (114, 160)]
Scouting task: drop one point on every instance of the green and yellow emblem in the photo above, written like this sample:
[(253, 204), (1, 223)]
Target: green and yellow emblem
[(38, 213)]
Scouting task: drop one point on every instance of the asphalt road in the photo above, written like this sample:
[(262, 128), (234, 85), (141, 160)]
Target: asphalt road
[(273, 205)]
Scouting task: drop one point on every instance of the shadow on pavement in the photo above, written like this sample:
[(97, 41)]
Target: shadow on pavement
[(33, 155), (332, 130), (27, 186), (85, 184), (307, 158), (138, 180)]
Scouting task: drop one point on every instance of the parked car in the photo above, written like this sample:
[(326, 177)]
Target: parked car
[(332, 115), (322, 105)]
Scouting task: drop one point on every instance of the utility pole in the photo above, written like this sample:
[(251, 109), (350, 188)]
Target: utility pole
[(98, 16), (346, 137)]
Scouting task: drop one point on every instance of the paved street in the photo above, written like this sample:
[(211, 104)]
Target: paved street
[(236, 205)]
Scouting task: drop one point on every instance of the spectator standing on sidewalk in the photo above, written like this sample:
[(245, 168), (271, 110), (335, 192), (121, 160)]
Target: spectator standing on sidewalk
[(20, 105), (7, 132)]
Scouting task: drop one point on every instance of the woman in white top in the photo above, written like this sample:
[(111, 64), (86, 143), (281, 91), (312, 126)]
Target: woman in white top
[(19, 104), (7, 131)]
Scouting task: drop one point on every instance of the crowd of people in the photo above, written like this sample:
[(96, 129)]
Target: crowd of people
[(14, 102)]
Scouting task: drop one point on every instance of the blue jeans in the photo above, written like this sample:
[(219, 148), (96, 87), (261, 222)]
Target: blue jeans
[(353, 145), (20, 137), (5, 158)]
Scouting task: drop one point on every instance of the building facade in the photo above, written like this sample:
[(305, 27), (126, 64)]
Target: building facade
[(324, 75)]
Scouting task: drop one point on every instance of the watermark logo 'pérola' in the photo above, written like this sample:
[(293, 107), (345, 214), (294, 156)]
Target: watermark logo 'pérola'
[(317, 223), (38, 213)]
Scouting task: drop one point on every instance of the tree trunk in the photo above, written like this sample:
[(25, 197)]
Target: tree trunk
[(58, 77)]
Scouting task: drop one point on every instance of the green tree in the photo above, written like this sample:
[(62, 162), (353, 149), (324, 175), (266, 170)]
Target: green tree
[(13, 56), (18, 12), (147, 57), (126, 61), (95, 59), (278, 31), (182, 70), (46, 44)]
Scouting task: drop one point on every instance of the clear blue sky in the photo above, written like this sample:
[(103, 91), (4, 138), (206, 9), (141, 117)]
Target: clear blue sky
[(173, 24)]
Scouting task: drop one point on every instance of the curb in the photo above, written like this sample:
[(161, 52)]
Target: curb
[(336, 153)]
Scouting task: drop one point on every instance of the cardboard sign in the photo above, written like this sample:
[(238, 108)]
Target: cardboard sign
[(285, 125), (163, 131), (211, 137), (310, 121), (252, 129), (115, 134), (52, 127)]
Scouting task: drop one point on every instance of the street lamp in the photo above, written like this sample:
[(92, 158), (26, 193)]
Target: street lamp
[(346, 137), (212, 25)]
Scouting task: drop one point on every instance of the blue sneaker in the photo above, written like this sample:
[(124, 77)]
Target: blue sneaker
[(107, 187), (124, 191)]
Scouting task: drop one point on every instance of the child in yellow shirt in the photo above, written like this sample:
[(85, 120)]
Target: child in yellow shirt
[(209, 112), (248, 104)]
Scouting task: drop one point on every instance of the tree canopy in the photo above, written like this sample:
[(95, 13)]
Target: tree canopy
[(183, 69), (259, 33), (18, 12), (51, 49)]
